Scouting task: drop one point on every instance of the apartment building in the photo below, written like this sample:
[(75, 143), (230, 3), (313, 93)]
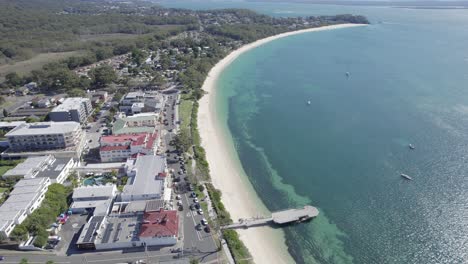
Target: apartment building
[(75, 109), (26, 197), (44, 136)]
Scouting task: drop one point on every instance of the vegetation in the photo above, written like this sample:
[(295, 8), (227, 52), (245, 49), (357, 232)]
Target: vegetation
[(55, 203), (239, 251)]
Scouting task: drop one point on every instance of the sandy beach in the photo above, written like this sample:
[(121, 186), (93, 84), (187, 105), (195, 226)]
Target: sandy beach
[(265, 244)]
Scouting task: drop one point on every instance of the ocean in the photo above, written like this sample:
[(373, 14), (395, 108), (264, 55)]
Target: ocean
[(344, 153)]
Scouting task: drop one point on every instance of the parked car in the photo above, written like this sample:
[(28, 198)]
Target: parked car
[(177, 197), (200, 211), (207, 229), (198, 227), (204, 222), (195, 200), (193, 194)]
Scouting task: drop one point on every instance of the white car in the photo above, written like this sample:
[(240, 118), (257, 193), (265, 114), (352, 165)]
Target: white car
[(204, 222), (200, 211), (177, 197)]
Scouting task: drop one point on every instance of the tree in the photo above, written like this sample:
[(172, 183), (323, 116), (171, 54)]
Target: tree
[(41, 238), (24, 261), (194, 261), (183, 141), (50, 262), (76, 92), (103, 75), (13, 79)]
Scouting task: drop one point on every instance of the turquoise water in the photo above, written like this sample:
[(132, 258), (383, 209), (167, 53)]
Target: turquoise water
[(344, 152)]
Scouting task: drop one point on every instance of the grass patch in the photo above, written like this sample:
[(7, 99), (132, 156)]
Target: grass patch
[(185, 113), (36, 62), (2, 189), (240, 253), (4, 169)]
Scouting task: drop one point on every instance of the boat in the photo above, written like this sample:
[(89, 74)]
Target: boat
[(406, 177), (347, 74), (308, 102), (411, 146)]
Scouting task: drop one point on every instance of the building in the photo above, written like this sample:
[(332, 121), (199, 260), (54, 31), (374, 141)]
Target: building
[(57, 169), (44, 136), (147, 179), (159, 228), (141, 102), (120, 147), (75, 109), (26, 197), (128, 230), (96, 199), (140, 123)]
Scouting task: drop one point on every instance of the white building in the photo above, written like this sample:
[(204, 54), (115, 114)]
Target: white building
[(140, 123), (26, 197), (45, 136), (75, 109), (147, 179), (93, 198), (57, 169)]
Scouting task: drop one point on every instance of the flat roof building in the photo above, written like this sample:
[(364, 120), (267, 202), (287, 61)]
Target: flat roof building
[(93, 198), (147, 178), (75, 109), (26, 197), (57, 169), (45, 136), (140, 123)]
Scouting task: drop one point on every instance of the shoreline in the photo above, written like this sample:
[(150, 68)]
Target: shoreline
[(266, 245)]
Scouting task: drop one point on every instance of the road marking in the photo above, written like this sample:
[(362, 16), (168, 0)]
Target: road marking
[(193, 219)]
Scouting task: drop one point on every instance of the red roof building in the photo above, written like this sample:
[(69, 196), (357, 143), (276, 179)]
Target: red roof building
[(159, 224), (120, 147)]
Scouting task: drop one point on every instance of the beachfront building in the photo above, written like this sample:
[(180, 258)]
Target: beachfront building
[(159, 228), (55, 168), (26, 197), (128, 230), (147, 179), (140, 123), (75, 109), (141, 102), (122, 146), (95, 199), (44, 136)]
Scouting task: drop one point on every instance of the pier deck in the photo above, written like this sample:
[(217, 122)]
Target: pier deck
[(277, 218)]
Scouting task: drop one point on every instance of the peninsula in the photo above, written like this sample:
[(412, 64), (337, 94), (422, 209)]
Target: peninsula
[(111, 132)]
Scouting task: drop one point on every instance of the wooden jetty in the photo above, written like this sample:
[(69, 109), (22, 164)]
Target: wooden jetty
[(284, 217)]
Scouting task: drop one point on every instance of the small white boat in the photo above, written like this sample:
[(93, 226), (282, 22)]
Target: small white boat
[(406, 177), (411, 146), (308, 102)]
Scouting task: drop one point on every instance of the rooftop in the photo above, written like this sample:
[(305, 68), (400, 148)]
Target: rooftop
[(42, 166), (28, 166), (11, 124), (120, 228), (160, 224), (145, 181), (44, 128), (94, 191), (70, 104)]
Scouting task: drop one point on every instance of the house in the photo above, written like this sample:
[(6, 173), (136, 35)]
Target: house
[(21, 91)]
